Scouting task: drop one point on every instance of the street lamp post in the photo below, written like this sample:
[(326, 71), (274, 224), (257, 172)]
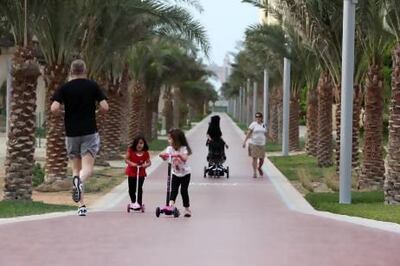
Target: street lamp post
[(254, 98), (349, 7), (248, 100), (266, 88), (286, 101), (241, 104), (234, 107)]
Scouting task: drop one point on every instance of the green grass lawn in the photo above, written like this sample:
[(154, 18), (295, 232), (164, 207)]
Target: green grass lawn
[(296, 166), (158, 144), (275, 147), (23, 208), (364, 204), (243, 127)]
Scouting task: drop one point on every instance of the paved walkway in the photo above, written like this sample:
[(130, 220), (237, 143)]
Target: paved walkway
[(236, 221)]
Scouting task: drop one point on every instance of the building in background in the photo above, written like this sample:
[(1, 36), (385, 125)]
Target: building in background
[(222, 72)]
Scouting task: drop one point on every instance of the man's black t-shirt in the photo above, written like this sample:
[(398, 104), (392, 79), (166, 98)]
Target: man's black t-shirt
[(79, 97)]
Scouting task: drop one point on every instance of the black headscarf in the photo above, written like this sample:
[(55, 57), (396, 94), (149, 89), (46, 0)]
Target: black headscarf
[(214, 130)]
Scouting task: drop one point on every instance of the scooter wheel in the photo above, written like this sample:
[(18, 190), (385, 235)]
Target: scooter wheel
[(142, 208), (128, 209), (227, 172), (176, 213), (158, 211)]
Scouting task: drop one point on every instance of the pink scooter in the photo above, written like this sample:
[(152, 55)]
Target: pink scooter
[(168, 210), (136, 206)]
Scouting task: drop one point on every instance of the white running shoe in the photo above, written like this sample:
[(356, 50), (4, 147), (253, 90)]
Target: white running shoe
[(77, 189), (82, 210)]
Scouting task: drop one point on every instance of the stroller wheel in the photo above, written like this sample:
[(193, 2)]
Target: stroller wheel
[(205, 172), (227, 172)]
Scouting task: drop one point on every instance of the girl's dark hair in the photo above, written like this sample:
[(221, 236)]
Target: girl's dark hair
[(214, 130), (136, 141), (179, 139)]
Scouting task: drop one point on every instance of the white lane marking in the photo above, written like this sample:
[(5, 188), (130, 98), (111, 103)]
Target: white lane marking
[(213, 184)]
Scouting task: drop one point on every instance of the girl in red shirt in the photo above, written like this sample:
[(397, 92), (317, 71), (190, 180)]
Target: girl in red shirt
[(137, 156)]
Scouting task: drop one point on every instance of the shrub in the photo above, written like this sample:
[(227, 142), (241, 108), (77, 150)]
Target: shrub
[(38, 175)]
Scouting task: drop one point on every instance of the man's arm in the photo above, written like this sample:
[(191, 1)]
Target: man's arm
[(55, 107), (103, 106)]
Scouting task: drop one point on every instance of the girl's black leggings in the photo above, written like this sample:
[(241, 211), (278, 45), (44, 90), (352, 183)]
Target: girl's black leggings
[(183, 182), (132, 180)]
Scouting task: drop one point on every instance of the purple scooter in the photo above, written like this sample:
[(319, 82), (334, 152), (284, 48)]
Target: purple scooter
[(168, 210)]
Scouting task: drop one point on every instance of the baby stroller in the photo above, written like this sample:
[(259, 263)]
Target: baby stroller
[(216, 157)]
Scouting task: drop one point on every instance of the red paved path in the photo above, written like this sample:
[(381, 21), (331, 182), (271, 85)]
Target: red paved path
[(240, 221)]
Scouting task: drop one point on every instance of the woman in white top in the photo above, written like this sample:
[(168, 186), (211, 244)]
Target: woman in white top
[(258, 133)]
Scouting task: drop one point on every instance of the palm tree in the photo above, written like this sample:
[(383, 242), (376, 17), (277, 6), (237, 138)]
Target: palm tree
[(320, 25), (195, 88), (167, 22), (273, 37), (58, 30), (263, 47), (312, 123), (21, 133), (103, 48), (374, 40), (391, 188), (315, 22), (140, 59)]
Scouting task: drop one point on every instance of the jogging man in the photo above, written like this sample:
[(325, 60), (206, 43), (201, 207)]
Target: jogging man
[(80, 97)]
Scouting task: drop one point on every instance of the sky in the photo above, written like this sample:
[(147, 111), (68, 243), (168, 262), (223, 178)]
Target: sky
[(225, 22)]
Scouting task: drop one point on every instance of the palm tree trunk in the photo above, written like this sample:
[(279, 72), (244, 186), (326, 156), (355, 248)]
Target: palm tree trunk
[(154, 117), (168, 109), (325, 149), (117, 92), (126, 107), (56, 154), (338, 118), (183, 113), (356, 126), (176, 107), (294, 144), (21, 133), (112, 126), (101, 121), (137, 115), (373, 169), (280, 115), (148, 119), (312, 123), (273, 121), (154, 125), (392, 181)]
